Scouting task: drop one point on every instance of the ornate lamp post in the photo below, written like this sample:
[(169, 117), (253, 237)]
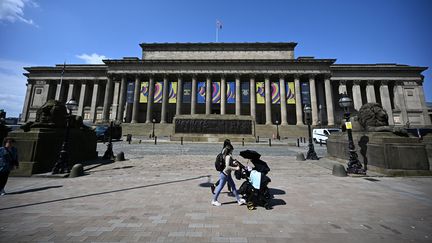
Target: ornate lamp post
[(354, 165), (61, 166), (277, 130), (153, 121), (311, 151)]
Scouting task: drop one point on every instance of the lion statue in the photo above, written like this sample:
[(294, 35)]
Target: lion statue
[(373, 118)]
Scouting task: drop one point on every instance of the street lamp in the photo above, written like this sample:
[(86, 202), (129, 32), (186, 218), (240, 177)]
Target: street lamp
[(311, 151), (354, 165), (61, 166), (153, 121), (277, 130)]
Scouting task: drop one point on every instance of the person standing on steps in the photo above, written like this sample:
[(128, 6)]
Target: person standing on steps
[(225, 176)]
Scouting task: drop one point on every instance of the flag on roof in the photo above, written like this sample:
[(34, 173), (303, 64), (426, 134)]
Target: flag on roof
[(218, 24)]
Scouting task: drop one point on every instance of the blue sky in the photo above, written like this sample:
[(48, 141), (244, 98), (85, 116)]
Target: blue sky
[(42, 32)]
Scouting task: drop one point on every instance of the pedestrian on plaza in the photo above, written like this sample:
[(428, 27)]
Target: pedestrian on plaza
[(225, 176), (8, 162), (213, 186)]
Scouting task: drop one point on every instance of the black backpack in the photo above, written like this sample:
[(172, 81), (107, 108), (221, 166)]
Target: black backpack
[(220, 162)]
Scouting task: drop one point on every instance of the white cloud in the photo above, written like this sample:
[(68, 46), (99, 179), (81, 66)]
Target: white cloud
[(92, 59), (13, 86), (13, 10)]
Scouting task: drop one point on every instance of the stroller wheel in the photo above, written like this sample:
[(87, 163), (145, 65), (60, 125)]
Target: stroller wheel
[(250, 206)]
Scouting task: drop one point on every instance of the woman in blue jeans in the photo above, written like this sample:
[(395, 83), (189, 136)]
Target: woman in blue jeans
[(225, 176)]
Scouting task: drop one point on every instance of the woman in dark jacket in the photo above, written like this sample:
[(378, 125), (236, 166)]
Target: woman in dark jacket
[(8, 161)]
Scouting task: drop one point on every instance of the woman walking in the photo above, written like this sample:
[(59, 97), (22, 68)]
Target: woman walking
[(225, 176), (8, 160)]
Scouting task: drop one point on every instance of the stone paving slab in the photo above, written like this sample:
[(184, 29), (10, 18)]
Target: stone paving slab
[(166, 198)]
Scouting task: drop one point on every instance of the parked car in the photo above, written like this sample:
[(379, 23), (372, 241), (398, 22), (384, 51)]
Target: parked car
[(321, 134), (103, 132)]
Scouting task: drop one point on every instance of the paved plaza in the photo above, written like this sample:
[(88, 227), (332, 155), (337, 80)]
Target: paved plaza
[(161, 194)]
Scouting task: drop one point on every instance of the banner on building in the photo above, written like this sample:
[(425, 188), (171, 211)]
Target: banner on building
[(260, 94), (130, 93), (290, 95), (275, 93), (158, 92), (201, 92), (172, 96), (245, 94), (187, 90), (144, 92), (230, 95), (216, 93), (305, 93)]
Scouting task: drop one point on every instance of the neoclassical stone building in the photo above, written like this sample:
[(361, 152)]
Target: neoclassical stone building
[(263, 80)]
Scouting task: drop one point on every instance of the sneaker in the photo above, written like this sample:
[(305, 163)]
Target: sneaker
[(212, 188), (241, 201), (216, 203), (2, 192)]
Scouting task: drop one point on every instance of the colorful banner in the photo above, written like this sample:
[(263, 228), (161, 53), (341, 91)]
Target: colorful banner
[(216, 93), (144, 92), (260, 94), (158, 92), (290, 95), (172, 96), (201, 92), (275, 93), (230, 95)]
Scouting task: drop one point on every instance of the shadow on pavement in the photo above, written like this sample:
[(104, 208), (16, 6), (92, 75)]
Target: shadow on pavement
[(106, 192), (34, 190), (275, 191), (277, 202)]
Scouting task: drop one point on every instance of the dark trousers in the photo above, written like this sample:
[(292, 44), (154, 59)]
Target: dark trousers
[(4, 175)]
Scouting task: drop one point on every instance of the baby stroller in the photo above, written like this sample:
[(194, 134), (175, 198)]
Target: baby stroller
[(255, 189)]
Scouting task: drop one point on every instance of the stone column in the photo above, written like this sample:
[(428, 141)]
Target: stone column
[(356, 92), (420, 92), (237, 96), (122, 101), (193, 94), (313, 97), (70, 91), (370, 92), (208, 95), (150, 98), (223, 95), (252, 93), (106, 104), (299, 107), (164, 99), (399, 95), (135, 108), (342, 87), (115, 100), (385, 101), (26, 102), (267, 91), (329, 100), (82, 99), (179, 95), (94, 101), (59, 91), (283, 102)]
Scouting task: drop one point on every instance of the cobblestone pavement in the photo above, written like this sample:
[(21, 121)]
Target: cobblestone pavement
[(161, 194)]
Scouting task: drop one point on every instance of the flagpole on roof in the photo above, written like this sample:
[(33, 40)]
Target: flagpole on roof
[(218, 26), (58, 95)]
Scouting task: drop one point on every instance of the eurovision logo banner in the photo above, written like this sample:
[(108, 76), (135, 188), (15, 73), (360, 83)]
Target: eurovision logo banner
[(216, 93), (230, 98), (260, 94), (158, 92), (187, 90), (290, 95), (144, 92), (172, 97), (130, 93), (201, 92), (275, 93)]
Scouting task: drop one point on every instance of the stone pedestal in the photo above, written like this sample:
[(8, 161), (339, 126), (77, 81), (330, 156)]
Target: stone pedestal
[(38, 149)]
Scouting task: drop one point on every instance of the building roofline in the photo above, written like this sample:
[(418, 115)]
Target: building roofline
[(380, 66), (141, 61), (253, 46)]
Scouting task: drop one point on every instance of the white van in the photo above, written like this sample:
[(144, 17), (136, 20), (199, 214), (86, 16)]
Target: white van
[(321, 134)]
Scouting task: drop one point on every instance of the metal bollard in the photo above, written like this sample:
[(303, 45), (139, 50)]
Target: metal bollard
[(257, 139), (181, 140), (129, 138), (140, 141), (242, 141), (298, 142), (269, 142), (155, 138), (320, 143)]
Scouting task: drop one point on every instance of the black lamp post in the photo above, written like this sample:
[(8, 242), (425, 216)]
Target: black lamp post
[(109, 153), (311, 151), (354, 165), (277, 130), (153, 121), (61, 166)]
